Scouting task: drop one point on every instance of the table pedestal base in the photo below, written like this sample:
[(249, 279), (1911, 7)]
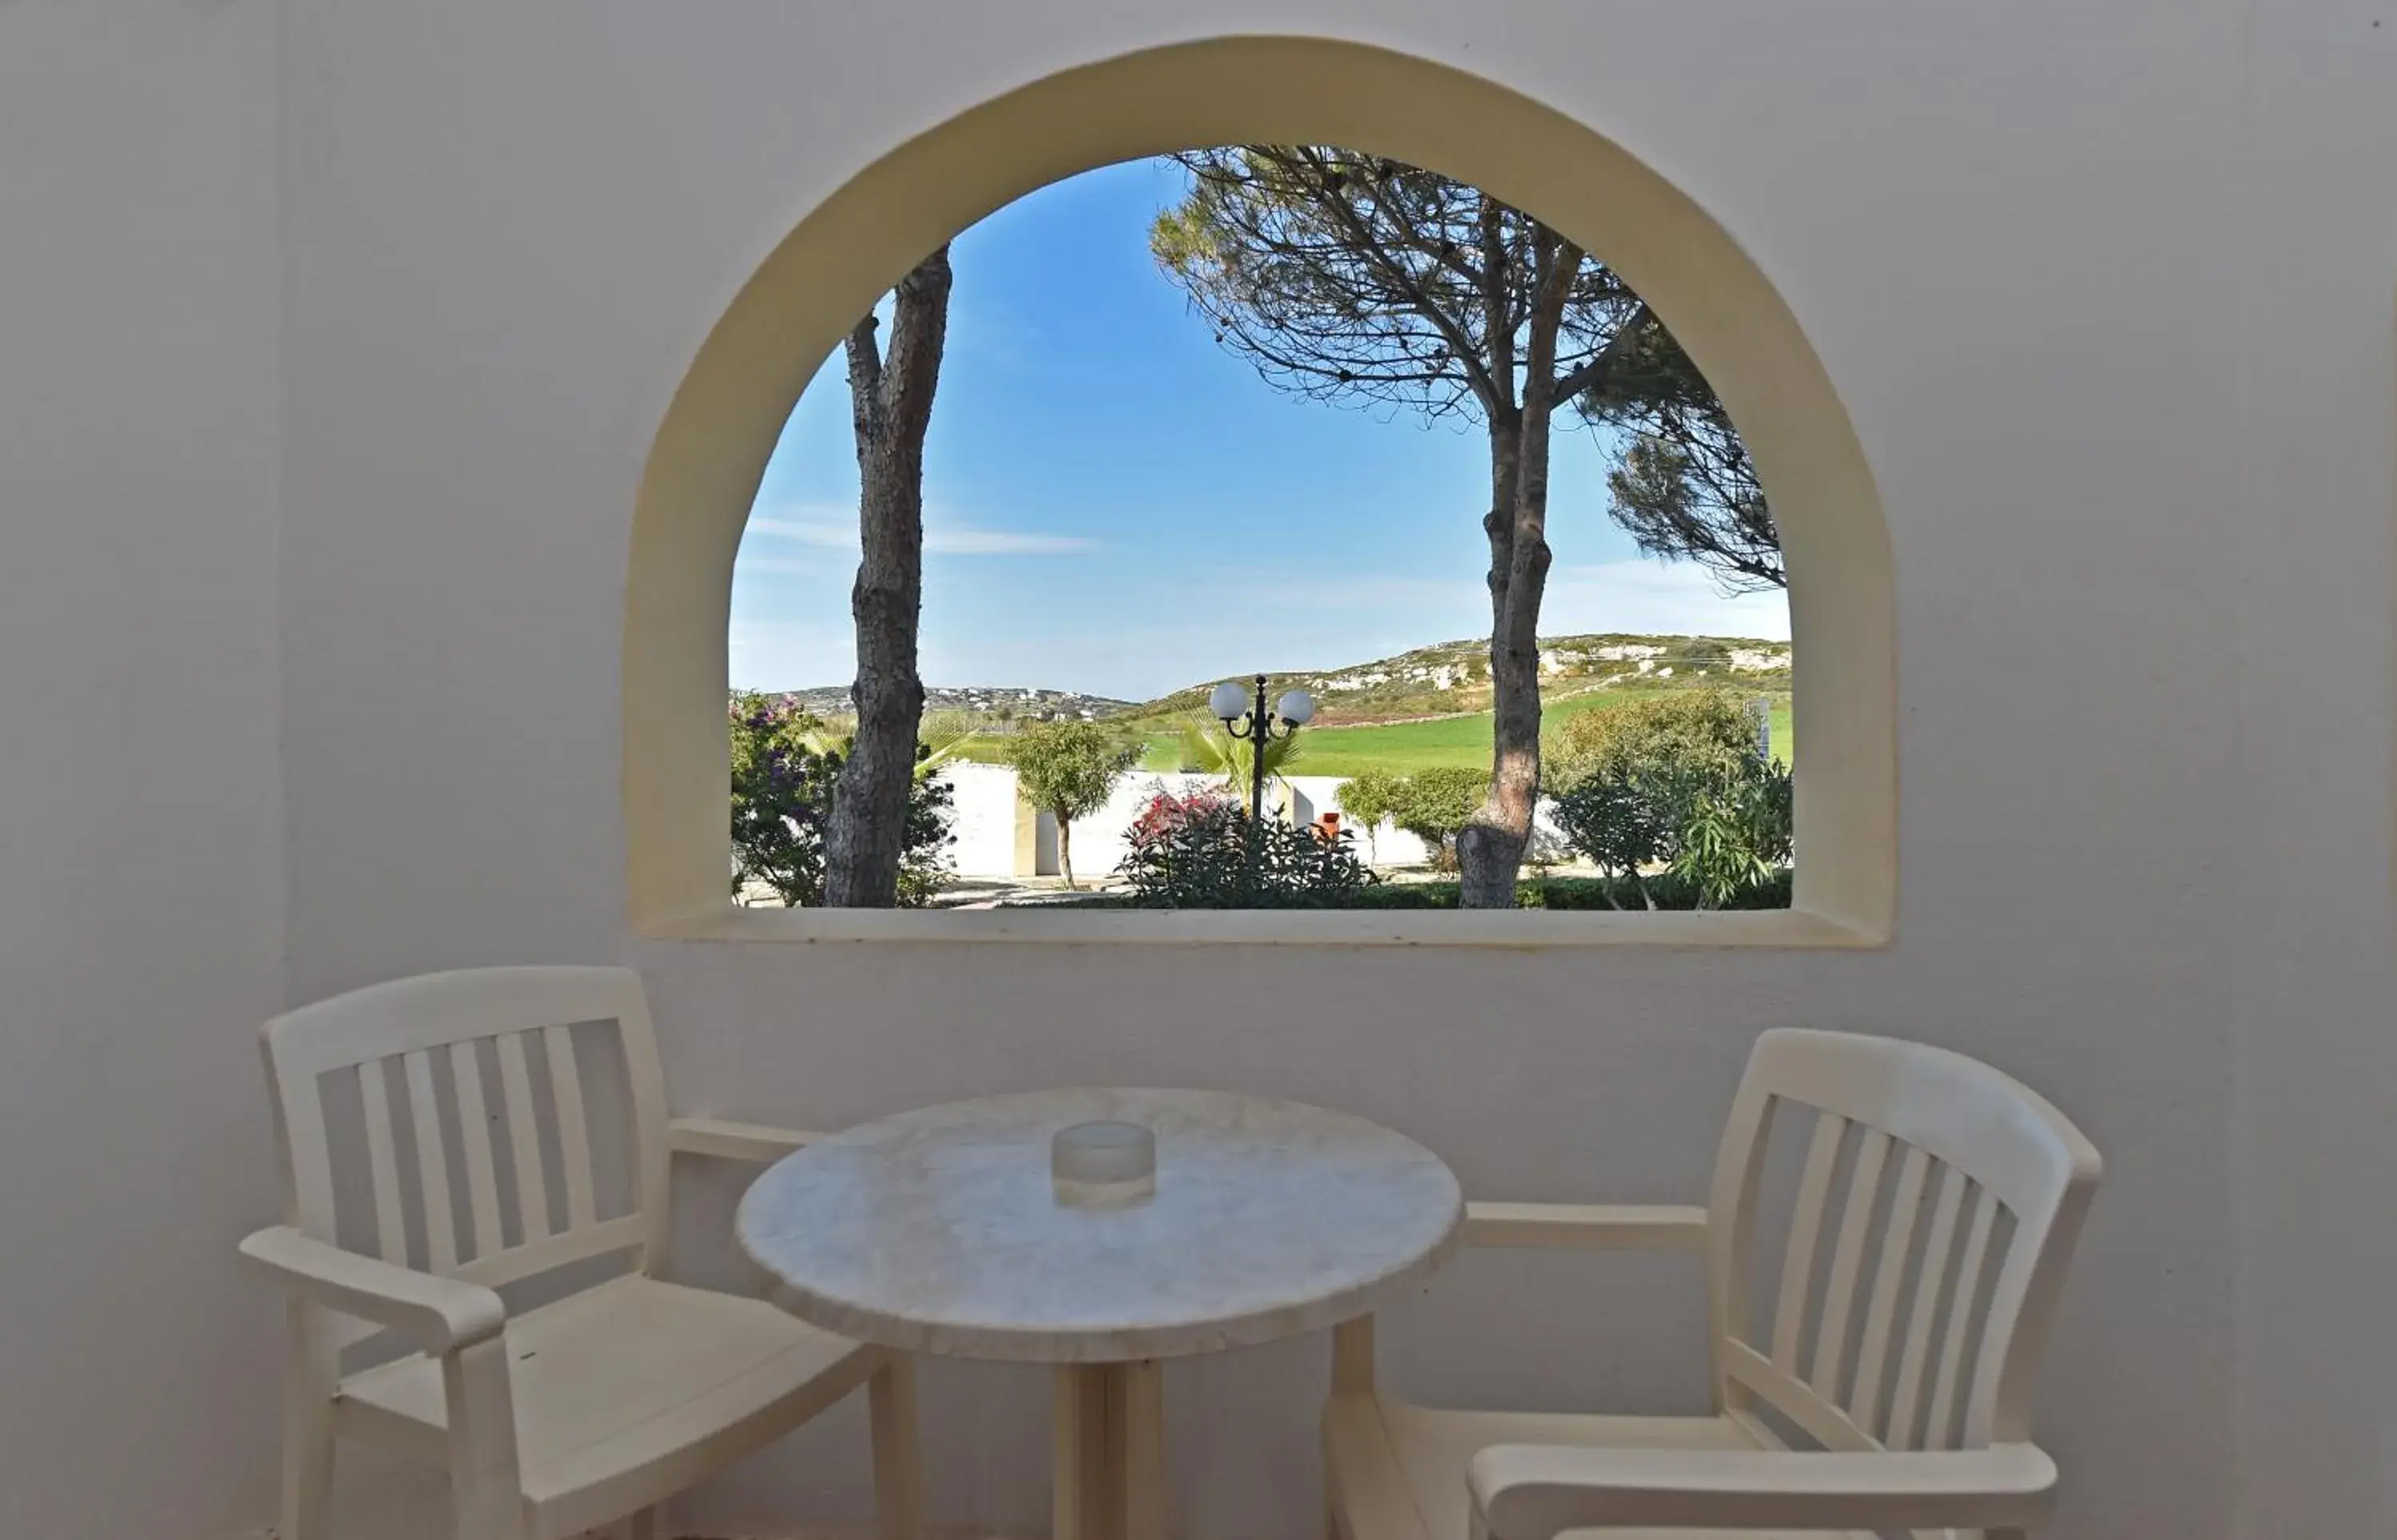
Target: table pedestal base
[(1110, 1452)]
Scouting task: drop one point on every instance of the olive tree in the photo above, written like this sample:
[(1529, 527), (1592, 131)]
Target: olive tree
[(1369, 797), (1068, 769), (1438, 807)]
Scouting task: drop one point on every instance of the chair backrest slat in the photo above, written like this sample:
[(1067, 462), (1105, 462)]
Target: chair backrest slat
[(432, 1163), (573, 1129), (1960, 1295), (383, 1162), (1998, 1167), (1847, 1258), (1898, 1433), (1881, 1307), (524, 1138), (475, 1130), (422, 1037), (1805, 1227)]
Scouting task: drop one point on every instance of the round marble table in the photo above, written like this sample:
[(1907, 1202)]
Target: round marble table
[(941, 1231)]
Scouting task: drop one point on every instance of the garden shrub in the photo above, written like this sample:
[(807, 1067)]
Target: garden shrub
[(785, 764), (1663, 891), (1165, 812), (1733, 831), (1697, 655), (1203, 852), (1669, 731), (1721, 831), (1434, 806), (1667, 892)]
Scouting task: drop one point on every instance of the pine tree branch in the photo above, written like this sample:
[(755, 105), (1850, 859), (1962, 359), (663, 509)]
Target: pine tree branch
[(1618, 348)]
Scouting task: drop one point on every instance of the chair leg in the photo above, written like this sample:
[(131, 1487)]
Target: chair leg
[(898, 1455), (307, 1473), (483, 1479), (309, 1377)]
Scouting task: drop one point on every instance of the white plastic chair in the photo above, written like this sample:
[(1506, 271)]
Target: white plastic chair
[(1894, 1389), (475, 1170)]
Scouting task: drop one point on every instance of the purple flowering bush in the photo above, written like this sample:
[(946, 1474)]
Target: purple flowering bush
[(785, 764)]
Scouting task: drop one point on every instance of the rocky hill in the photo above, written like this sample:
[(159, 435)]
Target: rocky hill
[(1441, 679), (1451, 677), (997, 702)]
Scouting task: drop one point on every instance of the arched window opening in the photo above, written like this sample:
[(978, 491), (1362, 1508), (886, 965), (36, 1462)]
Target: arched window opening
[(1163, 425), (1715, 345)]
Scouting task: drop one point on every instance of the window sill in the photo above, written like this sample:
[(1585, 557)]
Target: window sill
[(1520, 929)]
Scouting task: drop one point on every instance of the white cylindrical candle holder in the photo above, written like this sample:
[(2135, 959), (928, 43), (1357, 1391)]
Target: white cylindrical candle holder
[(1102, 1165)]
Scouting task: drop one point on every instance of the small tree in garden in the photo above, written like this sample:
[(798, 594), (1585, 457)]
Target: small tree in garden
[(1435, 806), (1368, 798), (1068, 769), (1610, 817)]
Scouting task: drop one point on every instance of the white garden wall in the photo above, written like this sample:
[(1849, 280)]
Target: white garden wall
[(349, 324), (983, 808), (983, 817)]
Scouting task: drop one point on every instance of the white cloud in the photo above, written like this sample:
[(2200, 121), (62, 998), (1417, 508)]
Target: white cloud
[(1002, 542), (791, 566), (939, 539), (827, 533), (789, 655), (1675, 598)]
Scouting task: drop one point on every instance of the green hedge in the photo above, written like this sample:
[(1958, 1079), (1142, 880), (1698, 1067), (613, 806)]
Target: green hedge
[(1575, 892), (1531, 893)]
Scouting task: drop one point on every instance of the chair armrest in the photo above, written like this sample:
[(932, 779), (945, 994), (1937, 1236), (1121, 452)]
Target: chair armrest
[(1530, 1491), (444, 1314), (1588, 1227), (734, 1141)]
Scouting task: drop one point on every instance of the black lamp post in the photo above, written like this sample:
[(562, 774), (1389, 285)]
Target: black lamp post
[(1242, 720)]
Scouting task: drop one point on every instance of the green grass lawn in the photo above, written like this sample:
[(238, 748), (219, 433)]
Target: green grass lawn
[(1400, 748)]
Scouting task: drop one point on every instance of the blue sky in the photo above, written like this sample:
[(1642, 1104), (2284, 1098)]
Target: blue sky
[(1116, 505)]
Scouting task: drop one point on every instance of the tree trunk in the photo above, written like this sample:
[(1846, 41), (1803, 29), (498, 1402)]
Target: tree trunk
[(891, 407), (1490, 849), (1065, 848)]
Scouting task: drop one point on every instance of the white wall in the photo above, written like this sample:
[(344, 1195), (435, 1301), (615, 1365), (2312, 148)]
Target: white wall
[(2312, 980), (141, 831), (983, 821), (2107, 289), (2009, 233)]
